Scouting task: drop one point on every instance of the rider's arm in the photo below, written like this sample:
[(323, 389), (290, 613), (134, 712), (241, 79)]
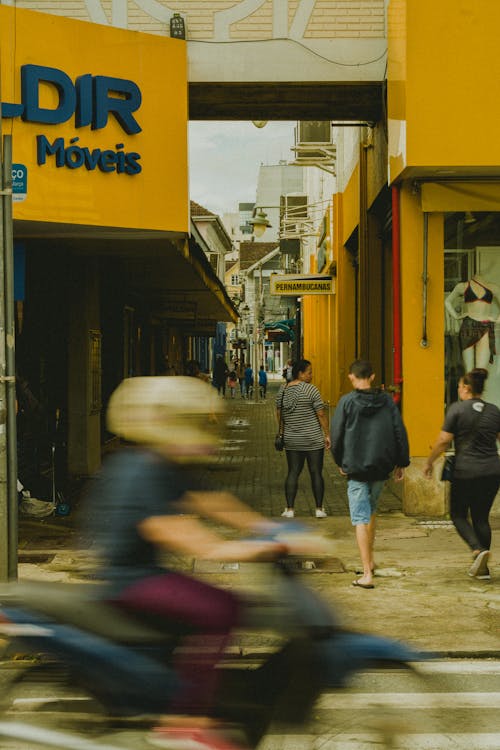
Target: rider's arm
[(224, 507), (188, 536)]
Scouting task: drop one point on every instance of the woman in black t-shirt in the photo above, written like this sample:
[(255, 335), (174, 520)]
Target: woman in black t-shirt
[(474, 425)]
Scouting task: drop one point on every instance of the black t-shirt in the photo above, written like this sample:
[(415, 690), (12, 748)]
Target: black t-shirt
[(475, 426), (134, 484)]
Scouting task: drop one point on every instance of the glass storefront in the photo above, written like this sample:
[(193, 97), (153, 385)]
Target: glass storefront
[(472, 299)]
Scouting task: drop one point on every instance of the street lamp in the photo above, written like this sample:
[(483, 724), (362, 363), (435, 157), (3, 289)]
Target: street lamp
[(297, 220), (260, 222)]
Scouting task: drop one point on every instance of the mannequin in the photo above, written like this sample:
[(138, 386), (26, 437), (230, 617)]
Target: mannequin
[(474, 298)]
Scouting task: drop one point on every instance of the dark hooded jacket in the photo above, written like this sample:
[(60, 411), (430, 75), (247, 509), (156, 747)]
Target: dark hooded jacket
[(368, 435)]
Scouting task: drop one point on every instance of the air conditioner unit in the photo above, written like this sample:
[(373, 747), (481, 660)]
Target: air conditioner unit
[(313, 144), (293, 215), (315, 131)]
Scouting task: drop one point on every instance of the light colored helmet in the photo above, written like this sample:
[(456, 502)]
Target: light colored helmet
[(177, 414)]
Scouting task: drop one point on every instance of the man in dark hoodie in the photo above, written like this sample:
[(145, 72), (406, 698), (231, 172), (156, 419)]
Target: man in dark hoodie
[(369, 442)]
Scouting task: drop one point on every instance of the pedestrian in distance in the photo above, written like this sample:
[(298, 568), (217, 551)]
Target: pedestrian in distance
[(474, 426), (248, 380), (262, 382), (232, 380), (301, 411), (369, 442), (220, 375), (240, 372), (288, 371)]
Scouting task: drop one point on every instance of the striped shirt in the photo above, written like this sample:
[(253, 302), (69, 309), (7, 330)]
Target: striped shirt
[(302, 428)]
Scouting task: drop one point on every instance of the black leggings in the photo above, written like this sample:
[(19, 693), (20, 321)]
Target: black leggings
[(295, 460), (477, 496)]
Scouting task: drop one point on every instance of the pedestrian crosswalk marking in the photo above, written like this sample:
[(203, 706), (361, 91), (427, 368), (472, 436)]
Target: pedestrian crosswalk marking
[(373, 740), (359, 701), (459, 667)]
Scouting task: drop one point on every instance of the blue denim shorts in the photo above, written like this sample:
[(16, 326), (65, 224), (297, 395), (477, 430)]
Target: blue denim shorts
[(363, 497)]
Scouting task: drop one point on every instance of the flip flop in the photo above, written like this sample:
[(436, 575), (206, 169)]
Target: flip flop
[(363, 585)]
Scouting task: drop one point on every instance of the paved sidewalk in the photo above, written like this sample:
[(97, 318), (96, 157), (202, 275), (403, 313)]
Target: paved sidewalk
[(423, 594)]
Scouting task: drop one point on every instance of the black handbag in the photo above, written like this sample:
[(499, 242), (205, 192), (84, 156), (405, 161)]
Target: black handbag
[(448, 469), (279, 440)]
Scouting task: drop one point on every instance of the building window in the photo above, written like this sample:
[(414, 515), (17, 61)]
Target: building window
[(472, 299), (235, 279)]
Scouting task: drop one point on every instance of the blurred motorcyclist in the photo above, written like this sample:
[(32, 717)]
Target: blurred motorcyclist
[(147, 500)]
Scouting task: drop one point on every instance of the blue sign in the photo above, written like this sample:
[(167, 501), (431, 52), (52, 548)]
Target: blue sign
[(19, 182), (90, 99)]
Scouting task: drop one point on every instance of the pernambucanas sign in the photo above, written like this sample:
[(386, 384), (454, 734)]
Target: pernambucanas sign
[(291, 285)]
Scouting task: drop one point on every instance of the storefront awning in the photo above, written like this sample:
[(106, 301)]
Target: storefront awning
[(171, 274), (281, 330), (460, 196)]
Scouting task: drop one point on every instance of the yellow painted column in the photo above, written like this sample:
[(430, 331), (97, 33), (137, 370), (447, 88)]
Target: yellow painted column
[(423, 366)]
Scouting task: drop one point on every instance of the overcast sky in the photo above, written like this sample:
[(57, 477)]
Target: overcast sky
[(224, 160)]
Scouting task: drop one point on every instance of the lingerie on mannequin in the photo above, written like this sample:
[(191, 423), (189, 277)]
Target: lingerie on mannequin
[(471, 296)]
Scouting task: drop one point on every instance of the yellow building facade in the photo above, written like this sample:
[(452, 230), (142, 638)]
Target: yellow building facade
[(97, 135), (441, 158), (108, 282)]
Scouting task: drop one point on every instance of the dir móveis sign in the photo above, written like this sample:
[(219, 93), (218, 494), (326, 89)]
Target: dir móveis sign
[(295, 285)]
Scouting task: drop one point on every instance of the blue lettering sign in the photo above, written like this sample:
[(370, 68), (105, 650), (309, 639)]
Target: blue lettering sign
[(31, 77), (91, 99), (74, 156)]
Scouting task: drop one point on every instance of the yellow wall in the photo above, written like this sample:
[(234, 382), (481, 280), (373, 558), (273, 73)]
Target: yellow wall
[(423, 368), (396, 86), (157, 198), (329, 321), (317, 340), (442, 76), (350, 207)]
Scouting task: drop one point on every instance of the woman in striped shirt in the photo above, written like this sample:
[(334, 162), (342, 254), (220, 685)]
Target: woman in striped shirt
[(306, 434)]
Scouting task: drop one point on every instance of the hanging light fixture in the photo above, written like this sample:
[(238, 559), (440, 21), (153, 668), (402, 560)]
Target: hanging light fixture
[(259, 123), (259, 222)]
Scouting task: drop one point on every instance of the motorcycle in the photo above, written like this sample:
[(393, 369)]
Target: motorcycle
[(108, 669)]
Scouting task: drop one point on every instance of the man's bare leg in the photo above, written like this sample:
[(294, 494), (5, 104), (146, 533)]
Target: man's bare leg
[(371, 534), (364, 537)]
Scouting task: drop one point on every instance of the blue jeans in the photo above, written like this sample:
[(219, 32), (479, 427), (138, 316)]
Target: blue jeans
[(363, 497)]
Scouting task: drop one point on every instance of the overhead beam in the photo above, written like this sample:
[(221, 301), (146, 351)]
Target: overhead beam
[(355, 102)]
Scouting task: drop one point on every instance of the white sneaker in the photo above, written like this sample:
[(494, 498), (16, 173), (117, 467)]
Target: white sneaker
[(320, 513), (480, 564), (288, 513)]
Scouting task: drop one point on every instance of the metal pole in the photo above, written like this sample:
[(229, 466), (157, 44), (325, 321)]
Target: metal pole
[(255, 358), (424, 343), (4, 514), (10, 359)]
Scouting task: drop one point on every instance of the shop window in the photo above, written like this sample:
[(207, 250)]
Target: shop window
[(472, 299)]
